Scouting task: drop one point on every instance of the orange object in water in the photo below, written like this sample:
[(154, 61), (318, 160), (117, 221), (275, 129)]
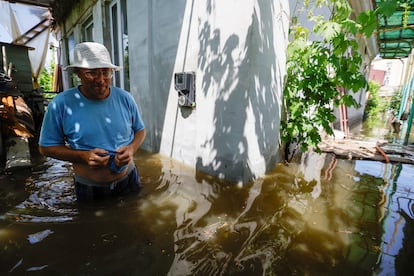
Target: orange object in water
[(9, 117)]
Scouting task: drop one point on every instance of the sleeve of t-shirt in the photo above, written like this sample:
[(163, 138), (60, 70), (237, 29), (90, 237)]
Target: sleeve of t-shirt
[(51, 133)]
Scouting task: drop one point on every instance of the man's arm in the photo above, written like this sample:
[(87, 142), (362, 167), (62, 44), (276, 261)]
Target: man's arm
[(94, 158), (139, 137)]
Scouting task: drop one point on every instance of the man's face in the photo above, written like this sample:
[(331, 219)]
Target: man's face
[(95, 82)]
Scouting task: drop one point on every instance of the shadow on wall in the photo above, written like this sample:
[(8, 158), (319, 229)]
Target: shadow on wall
[(243, 87)]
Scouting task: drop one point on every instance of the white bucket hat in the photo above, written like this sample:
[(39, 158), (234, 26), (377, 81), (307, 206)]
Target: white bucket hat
[(91, 55)]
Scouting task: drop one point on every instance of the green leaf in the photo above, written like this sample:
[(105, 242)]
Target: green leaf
[(329, 29), (368, 20), (348, 100), (387, 7)]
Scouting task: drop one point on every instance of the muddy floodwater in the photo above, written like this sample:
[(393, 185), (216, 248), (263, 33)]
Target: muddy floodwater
[(316, 216)]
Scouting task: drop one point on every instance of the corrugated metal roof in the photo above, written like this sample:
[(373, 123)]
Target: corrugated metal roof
[(396, 31)]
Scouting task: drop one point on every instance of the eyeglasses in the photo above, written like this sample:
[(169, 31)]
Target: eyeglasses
[(95, 74)]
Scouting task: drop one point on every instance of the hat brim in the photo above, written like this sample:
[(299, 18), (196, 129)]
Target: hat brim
[(93, 66)]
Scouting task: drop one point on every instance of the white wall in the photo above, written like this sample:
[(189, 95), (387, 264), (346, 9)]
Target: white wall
[(237, 50), (394, 69)]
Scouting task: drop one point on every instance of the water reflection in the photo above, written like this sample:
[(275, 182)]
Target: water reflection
[(317, 215), (49, 194)]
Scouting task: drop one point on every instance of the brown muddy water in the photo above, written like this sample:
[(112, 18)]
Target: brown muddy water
[(316, 216)]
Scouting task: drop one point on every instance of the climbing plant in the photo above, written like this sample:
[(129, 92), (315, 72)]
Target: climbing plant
[(322, 61)]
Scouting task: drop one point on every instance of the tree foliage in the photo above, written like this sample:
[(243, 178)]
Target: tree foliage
[(319, 69), (46, 79)]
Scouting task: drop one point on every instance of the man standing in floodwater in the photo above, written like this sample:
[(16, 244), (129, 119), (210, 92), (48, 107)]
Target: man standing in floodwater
[(95, 126)]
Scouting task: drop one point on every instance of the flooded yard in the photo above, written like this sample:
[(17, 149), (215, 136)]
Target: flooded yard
[(316, 216)]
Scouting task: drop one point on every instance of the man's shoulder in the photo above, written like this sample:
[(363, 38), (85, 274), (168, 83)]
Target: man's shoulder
[(67, 92), (119, 92), (65, 97)]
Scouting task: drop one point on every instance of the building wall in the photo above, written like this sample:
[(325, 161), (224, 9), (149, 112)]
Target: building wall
[(72, 28), (393, 70), (377, 75), (390, 75), (238, 54), (156, 31), (368, 49)]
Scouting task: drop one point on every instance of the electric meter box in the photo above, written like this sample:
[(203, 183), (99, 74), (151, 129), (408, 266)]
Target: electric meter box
[(184, 83)]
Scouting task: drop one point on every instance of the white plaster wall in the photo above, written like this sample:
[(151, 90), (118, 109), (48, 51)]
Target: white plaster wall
[(238, 53), (180, 124), (242, 141)]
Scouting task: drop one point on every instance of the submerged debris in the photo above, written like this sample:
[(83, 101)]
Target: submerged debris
[(369, 150), (39, 236)]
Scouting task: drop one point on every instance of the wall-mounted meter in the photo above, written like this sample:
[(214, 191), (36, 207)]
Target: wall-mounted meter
[(184, 83)]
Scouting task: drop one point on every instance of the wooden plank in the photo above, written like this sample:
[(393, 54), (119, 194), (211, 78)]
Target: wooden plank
[(366, 150)]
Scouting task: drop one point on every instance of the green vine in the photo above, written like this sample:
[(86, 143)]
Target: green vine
[(317, 70), (406, 7)]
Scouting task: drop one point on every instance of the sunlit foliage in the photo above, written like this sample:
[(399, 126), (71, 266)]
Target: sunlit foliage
[(322, 62)]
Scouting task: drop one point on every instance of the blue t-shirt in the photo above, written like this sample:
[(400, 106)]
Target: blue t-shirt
[(85, 124)]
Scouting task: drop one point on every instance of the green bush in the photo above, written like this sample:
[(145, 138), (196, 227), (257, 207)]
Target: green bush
[(46, 80)]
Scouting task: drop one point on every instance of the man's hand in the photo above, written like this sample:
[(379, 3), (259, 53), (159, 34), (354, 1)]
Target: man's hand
[(123, 155), (97, 158)]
